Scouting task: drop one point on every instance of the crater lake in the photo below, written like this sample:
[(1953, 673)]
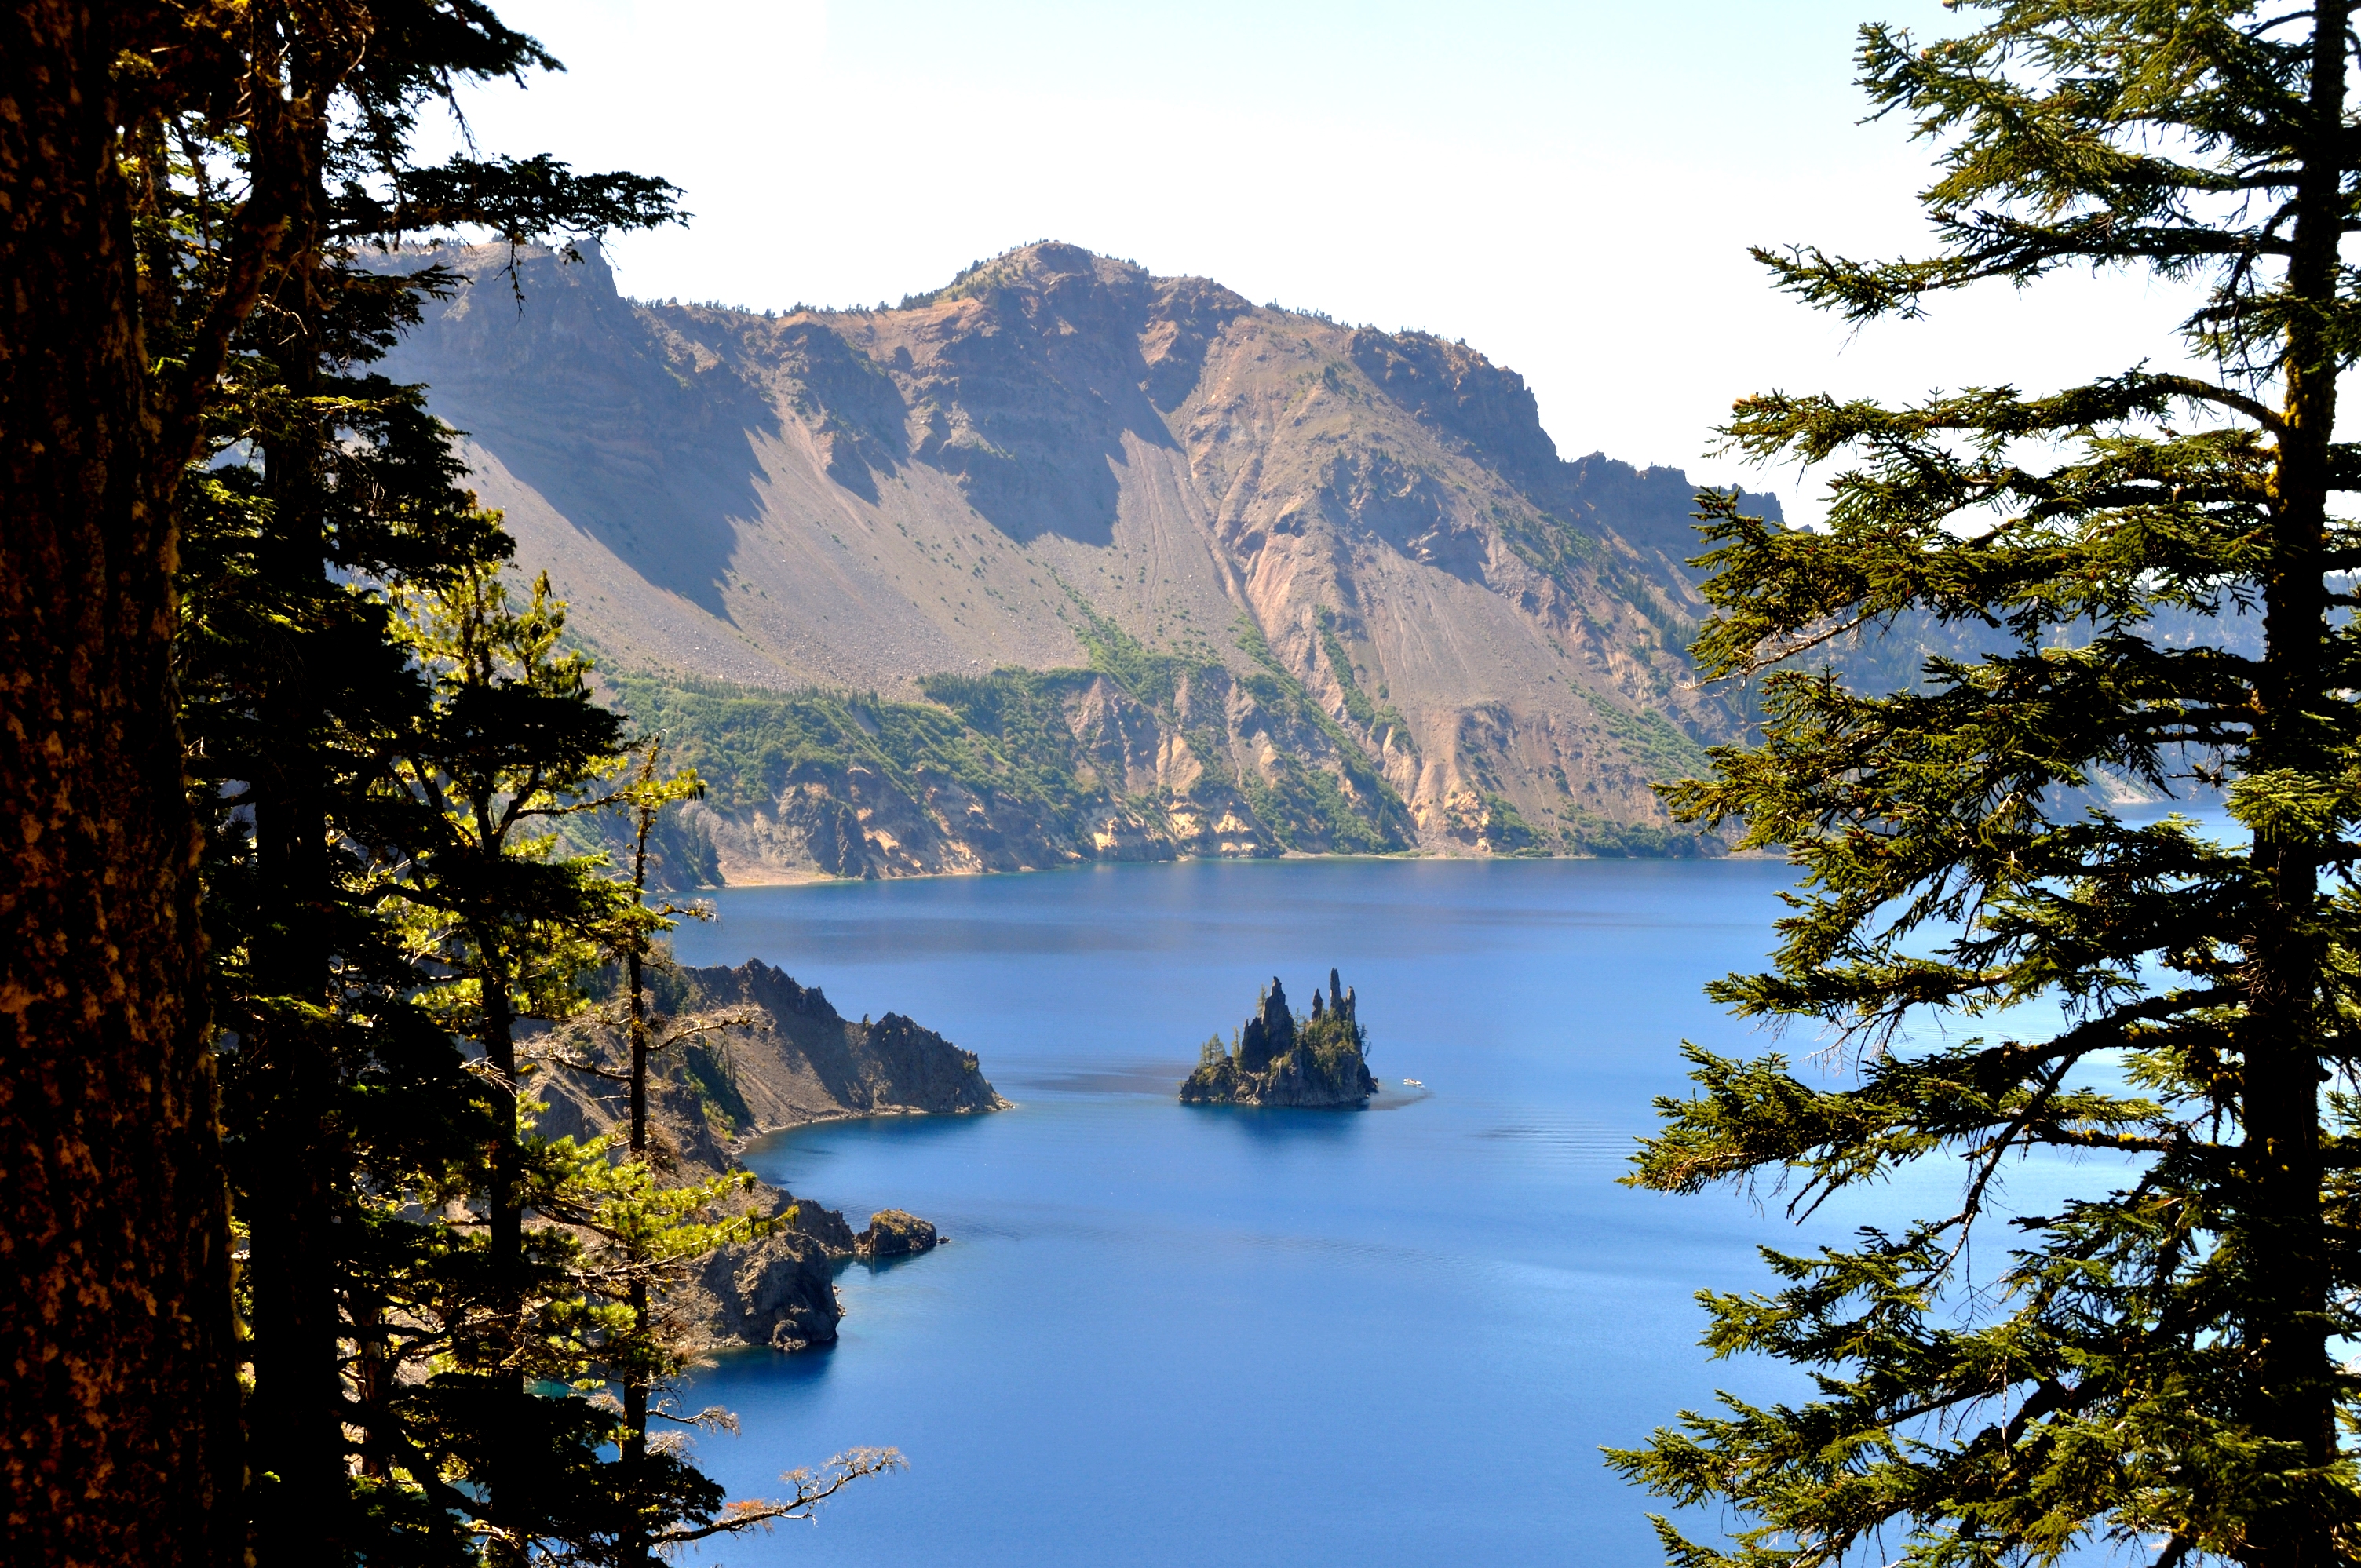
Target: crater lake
[(1167, 1334)]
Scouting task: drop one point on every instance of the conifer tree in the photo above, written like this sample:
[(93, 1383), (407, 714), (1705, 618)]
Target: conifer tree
[(317, 484), (550, 1284), (185, 374), (511, 922), (642, 1360), (167, 171), (111, 1217), (2154, 1363)]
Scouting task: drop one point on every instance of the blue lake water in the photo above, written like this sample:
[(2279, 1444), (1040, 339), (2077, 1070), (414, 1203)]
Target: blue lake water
[(1165, 1335)]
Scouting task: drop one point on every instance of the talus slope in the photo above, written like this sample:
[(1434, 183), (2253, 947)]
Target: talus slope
[(1061, 463)]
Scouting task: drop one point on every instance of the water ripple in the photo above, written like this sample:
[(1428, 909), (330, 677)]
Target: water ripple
[(1565, 1143)]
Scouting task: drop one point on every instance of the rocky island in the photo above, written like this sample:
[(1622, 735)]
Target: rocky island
[(1275, 1059)]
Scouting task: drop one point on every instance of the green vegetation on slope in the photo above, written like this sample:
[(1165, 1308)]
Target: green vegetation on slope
[(1013, 736), (1380, 722), (1564, 552), (1298, 802), (747, 742), (1265, 751), (1659, 745)]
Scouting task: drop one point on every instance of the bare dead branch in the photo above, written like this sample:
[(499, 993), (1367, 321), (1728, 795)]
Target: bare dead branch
[(811, 1489)]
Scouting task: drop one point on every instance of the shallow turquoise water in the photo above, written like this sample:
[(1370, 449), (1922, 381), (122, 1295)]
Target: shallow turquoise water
[(1185, 1335)]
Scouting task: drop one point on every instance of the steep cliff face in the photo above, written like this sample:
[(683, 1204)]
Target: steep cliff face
[(787, 1058), (1020, 771), (1058, 446), (800, 1061), (778, 1292)]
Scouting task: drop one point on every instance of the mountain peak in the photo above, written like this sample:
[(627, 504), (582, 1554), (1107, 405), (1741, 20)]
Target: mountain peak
[(1043, 264), (1059, 455)]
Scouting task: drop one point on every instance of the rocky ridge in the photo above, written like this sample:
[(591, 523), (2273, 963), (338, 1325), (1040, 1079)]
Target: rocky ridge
[(788, 1060), (1478, 643)]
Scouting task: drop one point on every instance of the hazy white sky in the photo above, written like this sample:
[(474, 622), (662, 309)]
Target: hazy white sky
[(1570, 187)]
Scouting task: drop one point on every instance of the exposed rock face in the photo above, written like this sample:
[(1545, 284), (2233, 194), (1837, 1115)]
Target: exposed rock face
[(894, 1233), (1180, 758), (685, 1135), (864, 500), (778, 1292), (801, 1060), (823, 1224), (1269, 1033), (1316, 1063), (793, 1059)]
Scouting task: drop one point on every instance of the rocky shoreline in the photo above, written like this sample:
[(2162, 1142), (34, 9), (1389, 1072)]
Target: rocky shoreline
[(786, 1059)]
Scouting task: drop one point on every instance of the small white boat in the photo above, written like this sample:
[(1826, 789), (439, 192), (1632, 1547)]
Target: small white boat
[(1412, 1083)]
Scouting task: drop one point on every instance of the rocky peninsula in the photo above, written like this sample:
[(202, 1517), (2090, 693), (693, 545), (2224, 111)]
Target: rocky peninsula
[(758, 1053), (1277, 1059)]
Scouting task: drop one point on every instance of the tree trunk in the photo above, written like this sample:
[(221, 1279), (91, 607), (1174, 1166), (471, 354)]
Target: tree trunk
[(504, 1237), (635, 1548), (118, 1414), (505, 1220), (505, 1226), (289, 1187), (2282, 1216)]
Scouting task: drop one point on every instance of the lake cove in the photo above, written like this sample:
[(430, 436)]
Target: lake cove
[(1166, 1334)]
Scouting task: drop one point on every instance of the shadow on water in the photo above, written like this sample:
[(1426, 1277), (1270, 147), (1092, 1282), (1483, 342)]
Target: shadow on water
[(1273, 1124), (1159, 1079), (794, 1158), (874, 1267), (776, 1369)]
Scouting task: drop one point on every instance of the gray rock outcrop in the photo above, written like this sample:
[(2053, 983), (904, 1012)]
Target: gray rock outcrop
[(799, 1060), (824, 1226), (778, 1292), (895, 1233), (787, 1058)]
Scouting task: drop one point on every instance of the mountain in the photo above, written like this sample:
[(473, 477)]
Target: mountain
[(1064, 560)]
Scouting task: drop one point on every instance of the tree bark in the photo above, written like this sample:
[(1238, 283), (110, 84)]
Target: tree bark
[(635, 1548), (118, 1415), (2281, 1214), (288, 1194)]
